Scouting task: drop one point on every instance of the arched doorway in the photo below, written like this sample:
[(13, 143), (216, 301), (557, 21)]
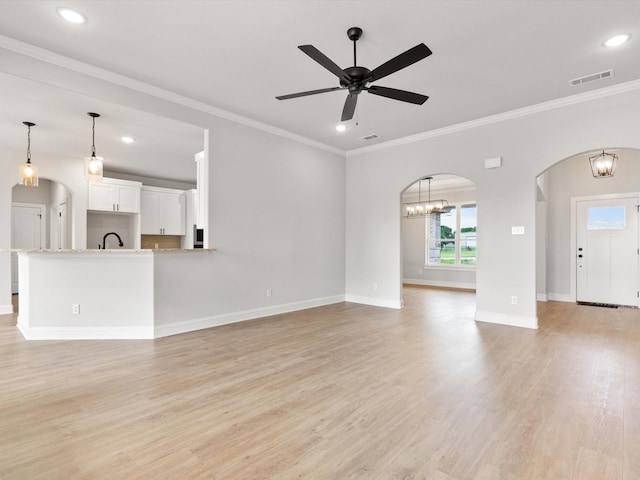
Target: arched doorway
[(40, 219), (439, 249), (561, 189)]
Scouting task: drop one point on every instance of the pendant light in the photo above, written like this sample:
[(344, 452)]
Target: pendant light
[(28, 171), (93, 164), (422, 209), (603, 165)]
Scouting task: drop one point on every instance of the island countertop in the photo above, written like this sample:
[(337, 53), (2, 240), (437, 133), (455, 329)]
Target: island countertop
[(113, 293), (110, 250)]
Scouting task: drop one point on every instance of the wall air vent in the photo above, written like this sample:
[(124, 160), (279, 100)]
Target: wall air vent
[(591, 78), (369, 137)]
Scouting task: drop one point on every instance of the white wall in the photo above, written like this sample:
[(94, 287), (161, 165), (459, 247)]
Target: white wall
[(573, 178), (59, 195), (275, 208), (506, 196), (542, 239), (99, 224)]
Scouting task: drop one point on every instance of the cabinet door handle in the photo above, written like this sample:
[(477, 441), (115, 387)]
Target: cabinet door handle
[(114, 207), (118, 206)]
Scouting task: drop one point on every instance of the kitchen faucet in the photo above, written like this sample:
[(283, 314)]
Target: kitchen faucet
[(105, 238)]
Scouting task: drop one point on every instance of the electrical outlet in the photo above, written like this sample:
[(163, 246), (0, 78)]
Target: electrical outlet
[(156, 245), (514, 300), (375, 285), (75, 308), (268, 292)]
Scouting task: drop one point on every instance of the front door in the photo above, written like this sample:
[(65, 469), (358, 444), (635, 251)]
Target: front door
[(607, 251), (27, 232)]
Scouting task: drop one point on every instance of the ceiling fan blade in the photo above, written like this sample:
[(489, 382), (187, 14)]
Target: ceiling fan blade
[(403, 60), (325, 61), (310, 92), (396, 94), (349, 107)]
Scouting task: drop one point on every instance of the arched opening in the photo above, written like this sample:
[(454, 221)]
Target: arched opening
[(439, 232), (570, 203), (40, 219)]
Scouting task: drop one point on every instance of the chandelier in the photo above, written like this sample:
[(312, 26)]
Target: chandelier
[(603, 164), (422, 208)]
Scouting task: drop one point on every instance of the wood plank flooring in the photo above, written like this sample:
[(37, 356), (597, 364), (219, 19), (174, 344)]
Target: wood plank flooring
[(339, 392)]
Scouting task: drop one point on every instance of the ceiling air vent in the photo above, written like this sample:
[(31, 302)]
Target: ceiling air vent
[(591, 78), (369, 137)]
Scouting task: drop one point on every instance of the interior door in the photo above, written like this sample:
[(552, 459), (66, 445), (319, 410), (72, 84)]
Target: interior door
[(62, 226), (607, 251), (27, 232)]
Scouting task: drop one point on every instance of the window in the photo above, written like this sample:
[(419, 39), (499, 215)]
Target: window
[(606, 218), (451, 237)]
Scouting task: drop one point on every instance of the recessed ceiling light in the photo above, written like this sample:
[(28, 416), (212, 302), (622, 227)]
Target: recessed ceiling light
[(617, 40), (341, 127), (71, 15), (128, 139)]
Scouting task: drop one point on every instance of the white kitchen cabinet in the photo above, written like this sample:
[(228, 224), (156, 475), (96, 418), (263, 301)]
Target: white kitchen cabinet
[(112, 195), (162, 211)]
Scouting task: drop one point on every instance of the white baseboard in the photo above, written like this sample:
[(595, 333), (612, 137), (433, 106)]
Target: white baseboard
[(505, 319), (542, 297), (561, 297), (375, 302), (227, 318), (438, 283), (6, 309), (85, 333)]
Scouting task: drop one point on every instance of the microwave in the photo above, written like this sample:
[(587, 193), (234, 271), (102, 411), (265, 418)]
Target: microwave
[(198, 237)]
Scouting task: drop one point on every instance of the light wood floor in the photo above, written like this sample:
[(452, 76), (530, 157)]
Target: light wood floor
[(338, 392)]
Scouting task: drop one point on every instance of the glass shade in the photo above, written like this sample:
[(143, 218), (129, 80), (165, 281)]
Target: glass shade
[(28, 175), (421, 209), (93, 169)]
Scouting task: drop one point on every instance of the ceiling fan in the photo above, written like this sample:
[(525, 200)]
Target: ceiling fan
[(356, 79)]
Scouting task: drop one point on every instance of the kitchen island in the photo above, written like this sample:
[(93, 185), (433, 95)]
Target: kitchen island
[(110, 294)]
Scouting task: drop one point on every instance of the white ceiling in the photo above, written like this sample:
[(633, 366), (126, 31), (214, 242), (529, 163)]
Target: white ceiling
[(488, 57)]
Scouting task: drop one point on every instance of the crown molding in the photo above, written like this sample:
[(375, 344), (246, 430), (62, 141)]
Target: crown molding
[(501, 117), (48, 56)]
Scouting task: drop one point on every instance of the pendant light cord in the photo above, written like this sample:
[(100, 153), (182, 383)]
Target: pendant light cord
[(93, 138), (28, 143)]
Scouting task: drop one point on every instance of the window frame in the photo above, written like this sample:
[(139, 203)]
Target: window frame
[(457, 241)]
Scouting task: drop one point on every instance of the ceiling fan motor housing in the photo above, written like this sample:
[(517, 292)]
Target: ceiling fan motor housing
[(358, 76)]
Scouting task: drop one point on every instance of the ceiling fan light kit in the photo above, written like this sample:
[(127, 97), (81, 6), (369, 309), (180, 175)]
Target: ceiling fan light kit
[(357, 79)]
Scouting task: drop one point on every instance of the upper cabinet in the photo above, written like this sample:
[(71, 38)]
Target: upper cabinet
[(162, 211), (112, 195)]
